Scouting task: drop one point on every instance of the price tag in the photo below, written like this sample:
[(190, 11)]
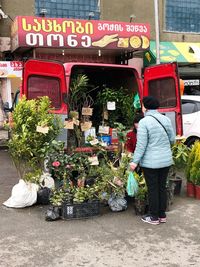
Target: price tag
[(93, 160), (86, 126), (104, 129), (87, 111), (69, 125), (94, 142), (41, 129), (111, 105)]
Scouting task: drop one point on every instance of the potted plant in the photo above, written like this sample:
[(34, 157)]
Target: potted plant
[(180, 153), (121, 133), (34, 129), (140, 201), (193, 169), (190, 173), (123, 100)]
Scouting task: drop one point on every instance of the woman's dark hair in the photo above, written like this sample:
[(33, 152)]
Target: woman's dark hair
[(150, 102)]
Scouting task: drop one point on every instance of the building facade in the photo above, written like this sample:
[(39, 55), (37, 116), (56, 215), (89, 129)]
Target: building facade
[(178, 19)]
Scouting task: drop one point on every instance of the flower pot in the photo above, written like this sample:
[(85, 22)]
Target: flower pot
[(140, 206), (190, 189), (178, 183), (197, 191)]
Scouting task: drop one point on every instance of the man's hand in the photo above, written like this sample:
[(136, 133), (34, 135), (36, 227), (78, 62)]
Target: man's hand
[(132, 166)]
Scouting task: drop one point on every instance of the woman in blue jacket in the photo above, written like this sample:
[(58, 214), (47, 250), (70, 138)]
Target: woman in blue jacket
[(153, 153)]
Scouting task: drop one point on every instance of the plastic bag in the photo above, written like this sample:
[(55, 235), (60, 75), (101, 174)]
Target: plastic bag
[(23, 194), (46, 180), (43, 196), (132, 185), (117, 203), (136, 102), (52, 214)]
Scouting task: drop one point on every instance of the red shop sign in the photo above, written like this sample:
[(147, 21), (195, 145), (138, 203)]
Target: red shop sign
[(71, 33)]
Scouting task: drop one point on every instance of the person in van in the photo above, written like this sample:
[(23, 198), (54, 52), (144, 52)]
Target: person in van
[(131, 137), (153, 153)]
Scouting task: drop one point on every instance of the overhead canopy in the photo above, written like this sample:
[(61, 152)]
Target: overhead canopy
[(173, 51)]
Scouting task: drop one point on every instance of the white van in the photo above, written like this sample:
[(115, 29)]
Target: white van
[(191, 118)]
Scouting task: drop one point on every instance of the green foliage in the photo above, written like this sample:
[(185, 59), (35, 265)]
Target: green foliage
[(78, 92), (180, 154), (124, 105), (193, 165), (84, 194), (61, 165), (121, 131), (27, 146), (33, 177), (142, 187), (59, 195)]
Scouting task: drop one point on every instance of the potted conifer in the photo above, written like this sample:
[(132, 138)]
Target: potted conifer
[(193, 171)]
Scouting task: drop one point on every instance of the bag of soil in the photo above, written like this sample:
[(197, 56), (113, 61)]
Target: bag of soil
[(43, 196), (52, 214)]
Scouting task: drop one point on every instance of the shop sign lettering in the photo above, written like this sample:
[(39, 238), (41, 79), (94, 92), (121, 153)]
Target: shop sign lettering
[(64, 33), (191, 82)]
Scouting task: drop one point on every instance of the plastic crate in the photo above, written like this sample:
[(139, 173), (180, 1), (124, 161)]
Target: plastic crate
[(80, 211)]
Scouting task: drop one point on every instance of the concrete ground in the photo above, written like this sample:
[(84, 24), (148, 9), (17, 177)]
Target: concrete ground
[(112, 240)]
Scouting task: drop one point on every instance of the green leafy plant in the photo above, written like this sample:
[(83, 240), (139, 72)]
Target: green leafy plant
[(62, 165), (193, 164), (33, 177), (124, 105), (78, 92), (180, 153), (142, 187), (28, 146), (59, 196)]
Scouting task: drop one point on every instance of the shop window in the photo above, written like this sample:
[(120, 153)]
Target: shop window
[(165, 91), (45, 86), (182, 15), (72, 6)]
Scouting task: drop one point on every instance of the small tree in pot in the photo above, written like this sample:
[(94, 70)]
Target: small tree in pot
[(33, 131)]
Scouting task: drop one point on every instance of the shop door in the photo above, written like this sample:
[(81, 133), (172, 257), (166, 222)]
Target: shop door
[(162, 82), (46, 78)]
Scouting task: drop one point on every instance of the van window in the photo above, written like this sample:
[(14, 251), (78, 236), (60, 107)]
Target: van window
[(188, 107), (164, 90), (39, 86)]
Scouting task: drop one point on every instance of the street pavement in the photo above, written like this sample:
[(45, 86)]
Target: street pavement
[(110, 240)]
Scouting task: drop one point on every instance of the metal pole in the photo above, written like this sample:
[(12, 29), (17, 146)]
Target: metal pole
[(157, 32)]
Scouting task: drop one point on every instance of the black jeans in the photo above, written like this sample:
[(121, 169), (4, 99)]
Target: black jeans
[(157, 193)]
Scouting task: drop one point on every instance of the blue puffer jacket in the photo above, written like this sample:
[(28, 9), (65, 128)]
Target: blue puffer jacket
[(153, 148)]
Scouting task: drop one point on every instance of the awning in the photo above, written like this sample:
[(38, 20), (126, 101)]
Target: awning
[(173, 51)]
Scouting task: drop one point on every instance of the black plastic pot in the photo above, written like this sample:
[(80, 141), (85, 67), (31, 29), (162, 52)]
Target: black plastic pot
[(178, 183), (141, 206)]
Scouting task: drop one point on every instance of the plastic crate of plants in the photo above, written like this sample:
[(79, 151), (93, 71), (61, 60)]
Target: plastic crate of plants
[(80, 211)]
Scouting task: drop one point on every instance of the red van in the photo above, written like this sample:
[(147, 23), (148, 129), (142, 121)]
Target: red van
[(53, 79)]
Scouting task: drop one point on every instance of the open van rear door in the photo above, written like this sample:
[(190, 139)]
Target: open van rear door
[(45, 78), (162, 82)]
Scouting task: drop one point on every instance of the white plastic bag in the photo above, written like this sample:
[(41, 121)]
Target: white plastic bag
[(23, 194), (46, 180)]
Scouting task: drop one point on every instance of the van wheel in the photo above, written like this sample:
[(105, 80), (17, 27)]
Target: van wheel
[(191, 141)]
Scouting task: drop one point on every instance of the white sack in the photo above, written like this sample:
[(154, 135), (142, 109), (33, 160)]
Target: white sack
[(46, 180), (23, 194)]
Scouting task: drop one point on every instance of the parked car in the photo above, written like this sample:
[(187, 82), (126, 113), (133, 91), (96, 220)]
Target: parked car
[(191, 118)]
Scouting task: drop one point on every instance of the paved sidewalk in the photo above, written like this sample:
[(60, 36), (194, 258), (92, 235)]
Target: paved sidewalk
[(111, 240)]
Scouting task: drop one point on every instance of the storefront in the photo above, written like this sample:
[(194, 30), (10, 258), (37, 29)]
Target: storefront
[(188, 57), (10, 79)]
